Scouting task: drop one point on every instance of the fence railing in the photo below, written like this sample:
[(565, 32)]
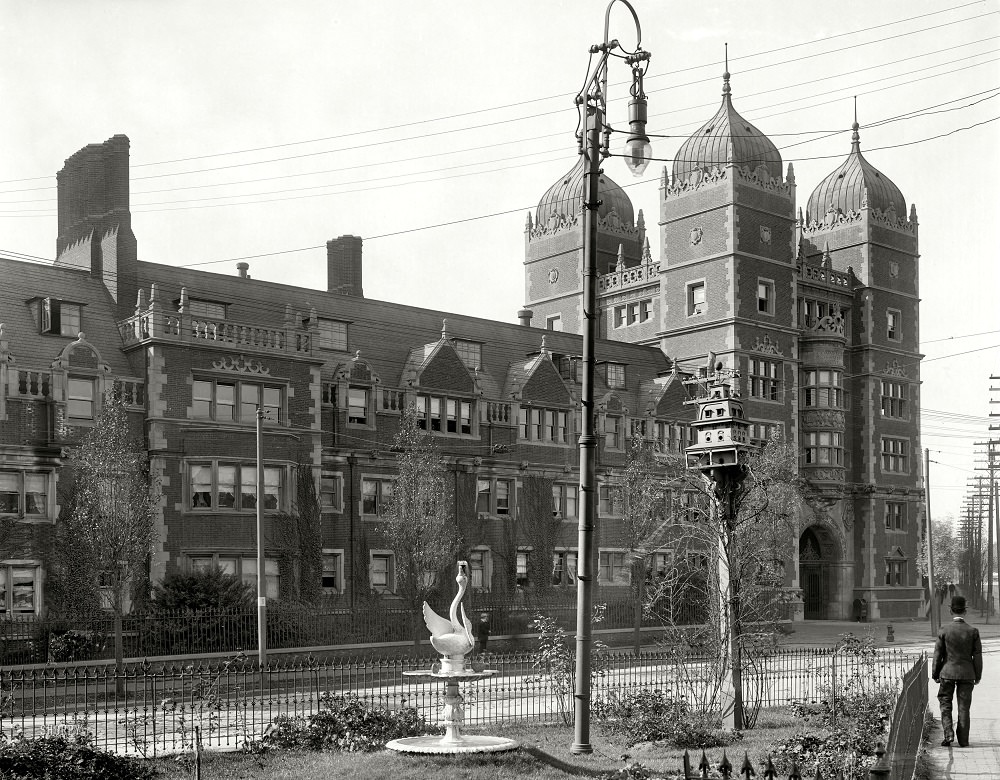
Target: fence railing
[(151, 709), (907, 726), (27, 640)]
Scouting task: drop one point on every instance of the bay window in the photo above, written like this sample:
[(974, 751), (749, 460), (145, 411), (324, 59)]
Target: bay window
[(216, 399), (233, 486)]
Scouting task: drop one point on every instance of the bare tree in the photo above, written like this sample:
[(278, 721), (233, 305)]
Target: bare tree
[(420, 524), (642, 493), (107, 535), (731, 559)]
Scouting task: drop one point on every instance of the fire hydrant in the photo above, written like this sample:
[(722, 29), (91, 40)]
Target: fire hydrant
[(890, 633)]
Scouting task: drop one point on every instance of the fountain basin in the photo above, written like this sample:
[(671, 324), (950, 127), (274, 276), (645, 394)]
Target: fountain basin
[(452, 718)]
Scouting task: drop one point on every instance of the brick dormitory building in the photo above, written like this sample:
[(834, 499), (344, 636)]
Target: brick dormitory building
[(817, 309)]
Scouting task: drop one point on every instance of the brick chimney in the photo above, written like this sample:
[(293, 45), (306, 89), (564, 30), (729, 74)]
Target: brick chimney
[(95, 224), (343, 266)]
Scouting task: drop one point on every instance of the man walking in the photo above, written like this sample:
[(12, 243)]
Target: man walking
[(958, 667), (483, 632)]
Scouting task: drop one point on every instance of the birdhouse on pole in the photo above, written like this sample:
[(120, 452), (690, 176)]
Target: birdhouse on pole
[(722, 431)]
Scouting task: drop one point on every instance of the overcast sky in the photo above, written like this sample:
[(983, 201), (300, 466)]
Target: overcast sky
[(263, 127)]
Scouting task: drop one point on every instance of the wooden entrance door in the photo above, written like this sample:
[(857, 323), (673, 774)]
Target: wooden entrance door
[(814, 596)]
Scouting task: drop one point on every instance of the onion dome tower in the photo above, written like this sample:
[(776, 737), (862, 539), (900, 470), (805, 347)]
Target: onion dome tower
[(727, 222), (854, 185), (553, 249), (859, 294), (726, 138)]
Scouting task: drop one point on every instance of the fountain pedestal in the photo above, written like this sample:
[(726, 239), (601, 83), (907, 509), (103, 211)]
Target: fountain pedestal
[(452, 718)]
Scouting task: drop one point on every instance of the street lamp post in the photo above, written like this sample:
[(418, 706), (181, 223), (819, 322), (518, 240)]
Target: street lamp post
[(594, 137)]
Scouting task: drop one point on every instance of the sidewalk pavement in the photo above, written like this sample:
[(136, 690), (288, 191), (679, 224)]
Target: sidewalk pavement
[(982, 758)]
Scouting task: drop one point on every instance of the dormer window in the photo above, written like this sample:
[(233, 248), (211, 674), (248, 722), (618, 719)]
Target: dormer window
[(615, 374), (60, 318), (209, 310), (471, 353), (333, 335)]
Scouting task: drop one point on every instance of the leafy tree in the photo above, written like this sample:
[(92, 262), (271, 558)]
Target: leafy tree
[(200, 611), (947, 551), (106, 536), (206, 590), (420, 523)]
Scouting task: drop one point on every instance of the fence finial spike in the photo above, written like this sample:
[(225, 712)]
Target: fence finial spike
[(769, 771), (819, 772), (704, 766), (725, 766), (795, 774), (687, 765), (747, 769)]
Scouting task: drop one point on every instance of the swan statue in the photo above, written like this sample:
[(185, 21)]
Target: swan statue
[(452, 638)]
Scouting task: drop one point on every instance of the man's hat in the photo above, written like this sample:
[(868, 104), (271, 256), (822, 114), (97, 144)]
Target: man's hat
[(958, 603)]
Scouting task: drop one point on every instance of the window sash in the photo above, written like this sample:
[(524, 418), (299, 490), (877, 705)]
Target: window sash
[(80, 398), (357, 405), (333, 335), (504, 491), (483, 493), (521, 568), (69, 319), (233, 486), (381, 572), (331, 576), (375, 495)]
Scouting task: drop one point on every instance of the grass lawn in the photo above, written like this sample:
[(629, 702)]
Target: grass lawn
[(545, 755)]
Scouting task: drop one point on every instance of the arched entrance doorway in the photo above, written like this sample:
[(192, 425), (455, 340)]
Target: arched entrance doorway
[(817, 553)]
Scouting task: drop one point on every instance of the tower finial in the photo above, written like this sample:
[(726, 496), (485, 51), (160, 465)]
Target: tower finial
[(855, 135), (725, 75)]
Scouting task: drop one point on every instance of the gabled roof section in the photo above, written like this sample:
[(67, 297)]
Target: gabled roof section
[(537, 380), (666, 396), (437, 365)]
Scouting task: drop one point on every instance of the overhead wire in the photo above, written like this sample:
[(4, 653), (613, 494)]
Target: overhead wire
[(481, 126)]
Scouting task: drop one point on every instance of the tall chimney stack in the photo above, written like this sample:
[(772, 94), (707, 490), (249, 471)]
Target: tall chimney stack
[(343, 266)]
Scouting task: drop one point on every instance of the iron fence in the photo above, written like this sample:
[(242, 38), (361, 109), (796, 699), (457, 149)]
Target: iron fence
[(152, 709), (27, 639)]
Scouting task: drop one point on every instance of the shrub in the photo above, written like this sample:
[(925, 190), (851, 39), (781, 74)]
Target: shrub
[(846, 751), (653, 715), (68, 754), (76, 645), (346, 723)]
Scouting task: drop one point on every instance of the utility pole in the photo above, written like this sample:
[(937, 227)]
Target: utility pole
[(261, 578), (935, 618)]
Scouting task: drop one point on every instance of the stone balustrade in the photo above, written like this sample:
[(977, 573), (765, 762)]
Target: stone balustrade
[(33, 384), (172, 326), (628, 277), (814, 273)]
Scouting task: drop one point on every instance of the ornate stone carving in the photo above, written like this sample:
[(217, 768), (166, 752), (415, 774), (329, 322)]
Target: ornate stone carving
[(553, 275), (893, 269), (848, 516), (695, 180), (823, 418), (767, 347), (765, 234), (696, 236), (893, 368), (241, 365), (760, 177), (826, 475)]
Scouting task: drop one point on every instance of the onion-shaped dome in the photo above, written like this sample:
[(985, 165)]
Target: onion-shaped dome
[(565, 198), (855, 185), (727, 137)]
